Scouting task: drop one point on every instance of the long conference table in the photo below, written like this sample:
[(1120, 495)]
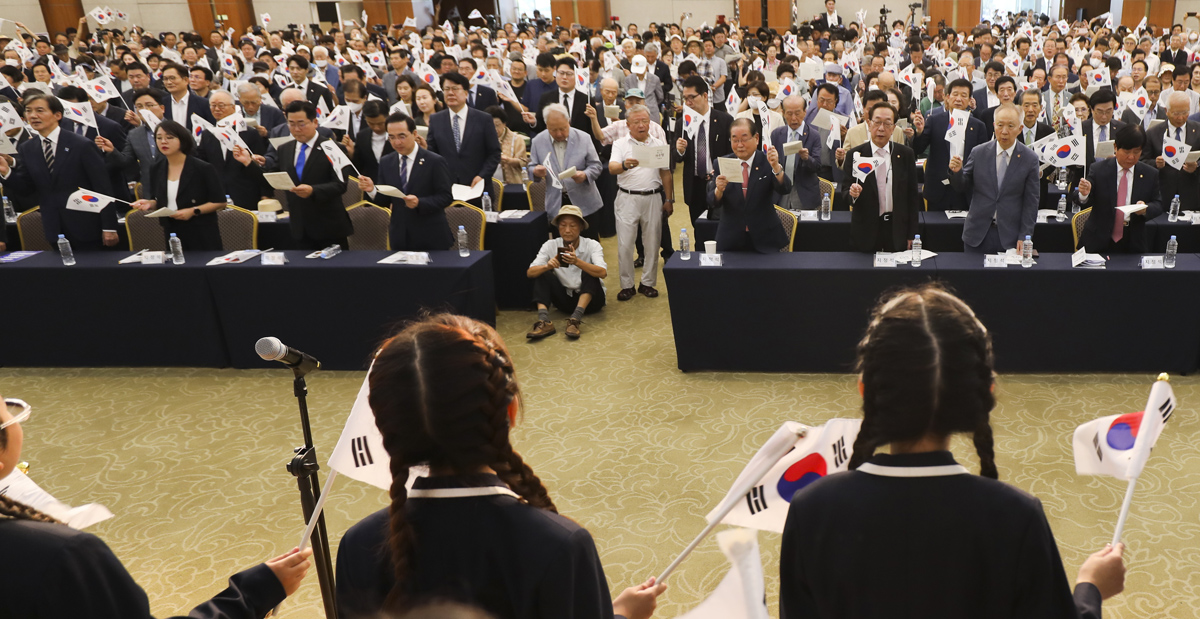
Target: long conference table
[(98, 313), (806, 312), (942, 234)]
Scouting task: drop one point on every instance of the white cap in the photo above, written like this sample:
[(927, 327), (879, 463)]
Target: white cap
[(638, 65)]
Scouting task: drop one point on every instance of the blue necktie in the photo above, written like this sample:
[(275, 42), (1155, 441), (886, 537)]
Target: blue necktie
[(404, 174), (300, 161)]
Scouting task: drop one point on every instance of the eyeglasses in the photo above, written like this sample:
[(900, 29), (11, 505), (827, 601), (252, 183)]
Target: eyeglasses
[(882, 123), (18, 409)]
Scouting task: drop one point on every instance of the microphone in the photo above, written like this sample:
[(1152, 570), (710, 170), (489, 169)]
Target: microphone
[(271, 349)]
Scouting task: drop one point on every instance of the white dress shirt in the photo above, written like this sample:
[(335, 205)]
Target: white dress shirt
[(639, 178), (1108, 135), (462, 121), (885, 198), (179, 110), (571, 277), (378, 142), (308, 152)]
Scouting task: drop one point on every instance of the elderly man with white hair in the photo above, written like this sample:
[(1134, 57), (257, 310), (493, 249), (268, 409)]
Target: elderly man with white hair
[(561, 148), (643, 194), (241, 184), (264, 117), (1186, 182), (327, 69)]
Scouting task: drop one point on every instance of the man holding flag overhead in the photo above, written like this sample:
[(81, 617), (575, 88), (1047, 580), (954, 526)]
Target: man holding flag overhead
[(884, 195), (51, 166)]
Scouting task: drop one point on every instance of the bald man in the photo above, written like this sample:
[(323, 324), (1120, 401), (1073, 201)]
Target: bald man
[(801, 167), (1186, 182)]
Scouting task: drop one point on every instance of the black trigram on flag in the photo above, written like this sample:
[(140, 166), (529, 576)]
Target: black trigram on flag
[(362, 453), (1096, 445), (756, 500), (839, 452), (1166, 409)]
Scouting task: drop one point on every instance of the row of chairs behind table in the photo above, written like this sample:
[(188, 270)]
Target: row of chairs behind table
[(239, 227)]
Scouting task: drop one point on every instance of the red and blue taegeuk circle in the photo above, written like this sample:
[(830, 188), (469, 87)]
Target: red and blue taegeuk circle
[(805, 471), (89, 198), (1063, 151), (1169, 151), (866, 168), (1123, 431)]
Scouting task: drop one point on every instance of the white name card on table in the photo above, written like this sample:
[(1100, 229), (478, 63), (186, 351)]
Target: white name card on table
[(808, 215), (956, 214), (407, 257), (153, 257), (514, 214), (267, 217), (234, 257), (1152, 262), (1044, 215), (1105, 149), (656, 157), (710, 260), (885, 260), (274, 258), (995, 261), (491, 217), (279, 180), (730, 168)]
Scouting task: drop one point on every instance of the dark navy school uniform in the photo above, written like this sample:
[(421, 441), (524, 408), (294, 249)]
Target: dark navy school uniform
[(917, 535)]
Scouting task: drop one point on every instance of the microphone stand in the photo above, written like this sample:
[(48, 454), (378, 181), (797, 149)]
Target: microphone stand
[(303, 466)]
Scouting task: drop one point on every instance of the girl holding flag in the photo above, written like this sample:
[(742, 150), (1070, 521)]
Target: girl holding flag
[(481, 529), (912, 533)]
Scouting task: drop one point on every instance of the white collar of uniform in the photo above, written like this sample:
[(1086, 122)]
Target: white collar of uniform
[(459, 493), (912, 471)]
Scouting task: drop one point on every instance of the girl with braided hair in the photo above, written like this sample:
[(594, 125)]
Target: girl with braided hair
[(56, 572), (912, 533), (481, 528)]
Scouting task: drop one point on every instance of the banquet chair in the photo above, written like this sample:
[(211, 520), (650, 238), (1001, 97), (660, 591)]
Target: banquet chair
[(827, 187), (29, 228), (472, 218), (498, 192), (536, 193), (371, 224), (1077, 222), (788, 219), (144, 232), (239, 228)]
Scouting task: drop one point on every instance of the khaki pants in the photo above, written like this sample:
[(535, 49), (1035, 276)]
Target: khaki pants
[(634, 211)]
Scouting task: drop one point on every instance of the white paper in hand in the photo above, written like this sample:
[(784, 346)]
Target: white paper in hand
[(463, 193), (389, 190), (656, 156), (730, 168), (279, 180)]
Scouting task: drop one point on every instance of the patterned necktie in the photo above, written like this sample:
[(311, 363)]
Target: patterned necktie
[(404, 174), (1118, 216), (300, 160), (881, 172), (701, 151), (457, 134), (791, 159), (1103, 133), (745, 178), (48, 150)]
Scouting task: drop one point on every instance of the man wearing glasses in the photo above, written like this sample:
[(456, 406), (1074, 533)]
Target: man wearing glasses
[(575, 101), (181, 103), (698, 150), (749, 222), (887, 202)]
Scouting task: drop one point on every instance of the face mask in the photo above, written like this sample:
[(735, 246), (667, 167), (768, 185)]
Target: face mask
[(1095, 62), (355, 107), (321, 63), (12, 62), (753, 101)]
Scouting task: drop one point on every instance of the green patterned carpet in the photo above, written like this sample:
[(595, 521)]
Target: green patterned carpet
[(191, 461)]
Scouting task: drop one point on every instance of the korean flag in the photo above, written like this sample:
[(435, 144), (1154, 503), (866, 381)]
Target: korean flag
[(1108, 446)]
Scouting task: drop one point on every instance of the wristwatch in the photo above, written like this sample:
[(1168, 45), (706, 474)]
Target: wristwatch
[(196, 211)]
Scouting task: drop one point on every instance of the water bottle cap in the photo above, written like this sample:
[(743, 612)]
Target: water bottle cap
[(1176, 196), (62, 236), (1027, 237), (1172, 237), (172, 235), (683, 229), (462, 228), (917, 238)]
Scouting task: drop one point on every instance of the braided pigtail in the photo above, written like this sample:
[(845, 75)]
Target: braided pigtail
[(19, 511), (400, 538), (865, 444), (984, 447)]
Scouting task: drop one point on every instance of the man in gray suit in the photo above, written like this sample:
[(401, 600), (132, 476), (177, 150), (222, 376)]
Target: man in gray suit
[(140, 152), (641, 77), (398, 58), (567, 147), (1002, 178)]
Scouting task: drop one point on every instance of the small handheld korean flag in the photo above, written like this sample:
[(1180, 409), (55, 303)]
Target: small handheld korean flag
[(266, 20), (475, 14), (787, 88), (99, 15), (1100, 77), (691, 121), (337, 158), (339, 118), (742, 593), (1067, 151), (863, 167), (410, 22), (426, 75), (88, 201), (1175, 152), (79, 112), (102, 89), (550, 173), (733, 100), (9, 118), (150, 119)]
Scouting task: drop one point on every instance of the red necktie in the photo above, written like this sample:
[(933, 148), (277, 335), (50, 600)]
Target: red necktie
[(745, 178), (1118, 216)]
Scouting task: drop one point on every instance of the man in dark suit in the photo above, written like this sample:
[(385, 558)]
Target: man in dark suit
[(802, 167), (986, 97), (479, 96), (1006, 89), (1033, 130), (254, 110), (576, 101), (464, 137), (114, 113), (749, 222), (371, 144), (318, 218), (181, 103), (1175, 54), (829, 18), (1184, 183), (1001, 176), (1058, 94), (51, 167), (139, 78), (107, 135), (879, 224), (354, 73), (1120, 181), (419, 218), (713, 129), (1100, 127), (314, 93), (241, 184), (939, 194)]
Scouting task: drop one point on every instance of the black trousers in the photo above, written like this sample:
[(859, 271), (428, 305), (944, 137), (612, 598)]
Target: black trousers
[(883, 235), (549, 291), (695, 193)]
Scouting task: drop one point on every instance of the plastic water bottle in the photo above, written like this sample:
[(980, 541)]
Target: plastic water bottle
[(176, 249), (916, 251), (1173, 214), (1062, 208), (228, 200), (1074, 208), (685, 245), (10, 215), (463, 250), (1027, 252), (331, 251), (64, 249), (826, 211), (1172, 249), (487, 203)]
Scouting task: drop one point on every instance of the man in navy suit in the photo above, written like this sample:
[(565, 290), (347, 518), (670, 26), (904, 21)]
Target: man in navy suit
[(419, 218), (297, 67), (480, 97), (576, 101), (54, 165), (181, 103), (987, 97), (698, 167), (1120, 181), (886, 203), (371, 144), (464, 137), (266, 117), (939, 194), (1001, 176), (748, 221), (802, 167)]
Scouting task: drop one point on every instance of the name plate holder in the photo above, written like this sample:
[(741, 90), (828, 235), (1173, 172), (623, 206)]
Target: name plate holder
[(1152, 262), (885, 260), (809, 216), (153, 257), (267, 217), (274, 258), (995, 261), (710, 260), (491, 217)]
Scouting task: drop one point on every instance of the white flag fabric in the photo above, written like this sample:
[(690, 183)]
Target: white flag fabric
[(410, 22), (1140, 103), (19, 487), (339, 118), (359, 453), (88, 201), (150, 119), (742, 593), (266, 20), (551, 174), (78, 112), (337, 158), (1068, 151), (102, 89), (1118, 445), (9, 118), (475, 14), (863, 167), (228, 137), (792, 458), (956, 133), (199, 126), (835, 132), (234, 121), (1175, 152)]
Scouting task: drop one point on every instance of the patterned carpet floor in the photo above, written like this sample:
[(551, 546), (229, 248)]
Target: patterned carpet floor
[(191, 461)]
